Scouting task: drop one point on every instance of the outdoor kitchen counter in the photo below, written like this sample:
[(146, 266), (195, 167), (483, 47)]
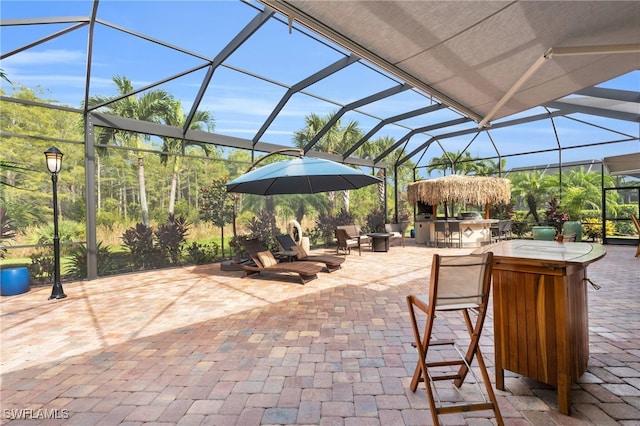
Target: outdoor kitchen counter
[(475, 232)]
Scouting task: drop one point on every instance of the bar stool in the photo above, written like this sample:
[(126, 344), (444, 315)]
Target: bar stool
[(440, 227), (454, 228)]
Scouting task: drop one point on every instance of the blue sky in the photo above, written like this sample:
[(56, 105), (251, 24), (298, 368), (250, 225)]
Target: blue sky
[(241, 103)]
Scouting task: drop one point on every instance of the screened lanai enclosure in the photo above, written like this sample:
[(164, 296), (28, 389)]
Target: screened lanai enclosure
[(156, 105)]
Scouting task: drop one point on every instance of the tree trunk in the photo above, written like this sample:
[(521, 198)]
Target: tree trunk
[(269, 204), (143, 191), (222, 240), (331, 197), (172, 193), (174, 185), (236, 199), (346, 199)]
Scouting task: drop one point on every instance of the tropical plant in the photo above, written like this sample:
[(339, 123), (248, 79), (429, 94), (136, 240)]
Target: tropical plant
[(171, 236), (155, 106), (3, 75), (139, 241), (200, 254), (263, 227), (554, 216), (531, 189), (501, 210), (583, 190), (337, 139), (326, 224), (7, 232), (376, 220), (202, 120), (592, 228), (455, 163), (42, 265), (372, 149), (78, 264)]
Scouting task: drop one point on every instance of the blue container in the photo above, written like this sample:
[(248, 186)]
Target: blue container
[(14, 281), (413, 233)]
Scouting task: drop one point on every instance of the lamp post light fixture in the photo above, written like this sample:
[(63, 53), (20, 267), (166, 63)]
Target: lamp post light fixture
[(54, 164)]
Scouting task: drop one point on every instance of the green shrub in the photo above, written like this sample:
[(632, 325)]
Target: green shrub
[(68, 231), (200, 254), (42, 266), (592, 229), (78, 265)]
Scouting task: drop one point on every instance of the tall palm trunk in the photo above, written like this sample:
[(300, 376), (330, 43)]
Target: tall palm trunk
[(346, 199), (269, 204), (174, 184), (331, 197), (143, 191), (381, 186)]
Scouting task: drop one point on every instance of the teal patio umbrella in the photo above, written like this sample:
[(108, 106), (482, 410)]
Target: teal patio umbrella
[(304, 175)]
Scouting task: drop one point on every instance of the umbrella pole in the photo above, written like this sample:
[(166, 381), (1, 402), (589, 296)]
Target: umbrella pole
[(486, 211)]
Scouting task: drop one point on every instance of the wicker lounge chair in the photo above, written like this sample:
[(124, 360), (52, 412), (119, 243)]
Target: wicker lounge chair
[(265, 262), (288, 244)]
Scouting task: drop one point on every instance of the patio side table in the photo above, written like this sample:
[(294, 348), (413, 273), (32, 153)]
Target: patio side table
[(380, 241)]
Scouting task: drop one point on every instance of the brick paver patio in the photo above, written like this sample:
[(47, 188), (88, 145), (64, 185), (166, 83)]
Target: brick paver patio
[(201, 346)]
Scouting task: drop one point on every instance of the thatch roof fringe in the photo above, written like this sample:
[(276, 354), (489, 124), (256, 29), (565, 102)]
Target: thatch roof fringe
[(477, 190)]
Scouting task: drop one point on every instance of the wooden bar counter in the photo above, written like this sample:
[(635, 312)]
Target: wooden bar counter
[(541, 311)]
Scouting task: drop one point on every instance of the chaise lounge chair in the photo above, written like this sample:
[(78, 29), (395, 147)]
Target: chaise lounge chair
[(288, 244), (265, 262)]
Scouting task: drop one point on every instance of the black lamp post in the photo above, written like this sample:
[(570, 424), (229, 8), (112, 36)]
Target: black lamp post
[(54, 164)]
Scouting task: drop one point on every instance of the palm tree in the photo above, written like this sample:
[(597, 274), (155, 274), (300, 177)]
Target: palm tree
[(534, 188), (582, 190), (202, 120), (155, 106), (336, 140), (490, 167), (457, 162), (4, 76)]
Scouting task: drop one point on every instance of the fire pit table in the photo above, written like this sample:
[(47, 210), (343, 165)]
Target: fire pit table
[(380, 240)]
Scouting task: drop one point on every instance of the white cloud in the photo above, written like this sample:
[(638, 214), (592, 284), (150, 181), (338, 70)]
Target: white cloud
[(53, 56)]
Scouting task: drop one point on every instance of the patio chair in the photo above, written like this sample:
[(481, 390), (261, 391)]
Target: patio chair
[(503, 231), (458, 284), (566, 238), (636, 223), (333, 263), (397, 230), (265, 261), (345, 243), (354, 232)]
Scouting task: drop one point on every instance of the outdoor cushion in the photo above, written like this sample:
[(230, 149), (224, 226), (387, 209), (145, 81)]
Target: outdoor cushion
[(267, 259), (287, 243), (259, 254)]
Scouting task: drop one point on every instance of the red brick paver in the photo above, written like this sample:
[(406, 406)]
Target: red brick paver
[(197, 345)]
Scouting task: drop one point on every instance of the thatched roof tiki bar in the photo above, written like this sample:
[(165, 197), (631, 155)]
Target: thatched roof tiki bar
[(478, 190), (470, 229)]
